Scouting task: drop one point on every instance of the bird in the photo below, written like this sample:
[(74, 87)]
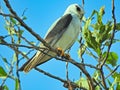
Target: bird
[(62, 34)]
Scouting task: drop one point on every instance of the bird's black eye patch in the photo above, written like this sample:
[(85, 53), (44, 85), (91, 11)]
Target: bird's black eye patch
[(78, 9)]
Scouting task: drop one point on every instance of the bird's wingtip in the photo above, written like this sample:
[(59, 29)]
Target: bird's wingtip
[(23, 70)]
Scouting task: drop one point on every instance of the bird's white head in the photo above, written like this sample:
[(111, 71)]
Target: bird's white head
[(75, 9)]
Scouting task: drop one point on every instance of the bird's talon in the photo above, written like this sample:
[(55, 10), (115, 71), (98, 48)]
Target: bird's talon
[(66, 56), (60, 52)]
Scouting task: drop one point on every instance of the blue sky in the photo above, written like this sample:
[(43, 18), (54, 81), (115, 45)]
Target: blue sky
[(40, 15)]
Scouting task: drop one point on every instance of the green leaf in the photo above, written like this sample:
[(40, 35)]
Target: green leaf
[(90, 38), (21, 32), (97, 88), (13, 20), (118, 26), (112, 58), (118, 86), (110, 84), (87, 24), (24, 18), (91, 42), (81, 50), (87, 34), (107, 43), (5, 87), (102, 12), (116, 76), (10, 30), (14, 58), (116, 82), (93, 13), (96, 75), (83, 83), (100, 15), (4, 59), (3, 74), (105, 32), (17, 87), (32, 42)]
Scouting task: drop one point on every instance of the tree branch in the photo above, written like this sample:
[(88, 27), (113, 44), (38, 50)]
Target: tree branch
[(6, 15), (81, 67), (83, 2), (103, 79), (23, 24), (112, 72), (111, 41), (112, 36), (66, 83), (14, 48)]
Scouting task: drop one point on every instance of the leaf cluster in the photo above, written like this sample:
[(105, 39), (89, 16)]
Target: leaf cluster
[(96, 39)]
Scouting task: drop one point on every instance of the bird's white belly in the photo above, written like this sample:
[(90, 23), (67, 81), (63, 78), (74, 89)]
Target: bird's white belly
[(69, 36)]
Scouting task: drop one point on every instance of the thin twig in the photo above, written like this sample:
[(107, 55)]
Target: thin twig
[(103, 79), (14, 48), (26, 26), (24, 11), (83, 2), (26, 54), (112, 36), (50, 75), (57, 78), (17, 72), (17, 62), (8, 76), (108, 50), (17, 45), (81, 67), (67, 77), (6, 15), (113, 71)]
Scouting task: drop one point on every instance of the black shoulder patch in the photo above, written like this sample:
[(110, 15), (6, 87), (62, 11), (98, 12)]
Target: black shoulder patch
[(60, 26)]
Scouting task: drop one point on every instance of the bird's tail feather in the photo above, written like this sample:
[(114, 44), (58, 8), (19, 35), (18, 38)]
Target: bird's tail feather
[(30, 64), (37, 59)]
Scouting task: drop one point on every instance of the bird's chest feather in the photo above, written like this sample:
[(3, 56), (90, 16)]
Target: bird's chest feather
[(70, 35)]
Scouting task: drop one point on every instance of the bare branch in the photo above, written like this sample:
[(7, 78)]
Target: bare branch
[(81, 67), (108, 50), (6, 15), (66, 83), (112, 36), (14, 48), (8, 76), (113, 71), (17, 45), (26, 26), (26, 54), (83, 2), (50, 75), (103, 79)]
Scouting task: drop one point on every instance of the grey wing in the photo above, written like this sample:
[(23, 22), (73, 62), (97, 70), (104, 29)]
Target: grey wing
[(58, 29)]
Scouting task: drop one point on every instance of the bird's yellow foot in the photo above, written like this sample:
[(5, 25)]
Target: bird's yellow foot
[(60, 52), (67, 56)]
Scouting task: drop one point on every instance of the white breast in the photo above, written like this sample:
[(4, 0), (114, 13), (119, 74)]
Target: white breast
[(70, 35)]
